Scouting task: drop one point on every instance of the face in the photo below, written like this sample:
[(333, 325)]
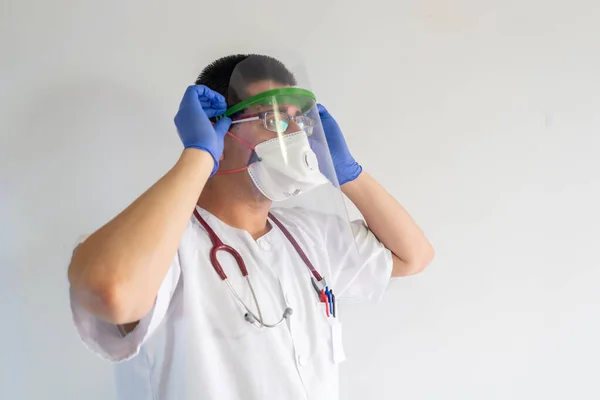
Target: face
[(236, 154)]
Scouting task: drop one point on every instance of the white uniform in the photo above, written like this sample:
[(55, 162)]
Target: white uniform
[(195, 343)]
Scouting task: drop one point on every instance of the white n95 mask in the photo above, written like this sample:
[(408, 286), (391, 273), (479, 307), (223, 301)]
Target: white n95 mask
[(285, 167)]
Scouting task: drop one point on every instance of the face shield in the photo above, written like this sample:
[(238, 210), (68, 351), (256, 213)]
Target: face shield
[(276, 135)]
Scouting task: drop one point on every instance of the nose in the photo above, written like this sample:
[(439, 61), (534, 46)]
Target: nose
[(292, 127)]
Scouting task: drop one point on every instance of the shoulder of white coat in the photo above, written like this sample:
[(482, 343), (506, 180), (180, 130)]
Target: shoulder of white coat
[(194, 234)]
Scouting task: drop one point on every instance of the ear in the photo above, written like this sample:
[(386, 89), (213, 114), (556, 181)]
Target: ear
[(226, 147)]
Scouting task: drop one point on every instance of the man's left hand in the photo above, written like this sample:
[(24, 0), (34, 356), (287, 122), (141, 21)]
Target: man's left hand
[(346, 167)]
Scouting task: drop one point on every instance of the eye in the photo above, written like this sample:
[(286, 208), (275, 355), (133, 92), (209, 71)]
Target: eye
[(276, 125), (305, 123), (276, 122)]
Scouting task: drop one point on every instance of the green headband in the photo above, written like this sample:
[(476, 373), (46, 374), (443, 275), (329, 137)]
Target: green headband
[(301, 98)]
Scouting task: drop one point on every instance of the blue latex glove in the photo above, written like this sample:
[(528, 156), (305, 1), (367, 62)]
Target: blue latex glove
[(195, 130), (346, 167)]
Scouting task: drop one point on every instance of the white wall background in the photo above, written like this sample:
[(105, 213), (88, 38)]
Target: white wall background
[(482, 117)]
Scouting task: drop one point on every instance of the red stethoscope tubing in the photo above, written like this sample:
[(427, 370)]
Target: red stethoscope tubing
[(218, 245), (299, 250)]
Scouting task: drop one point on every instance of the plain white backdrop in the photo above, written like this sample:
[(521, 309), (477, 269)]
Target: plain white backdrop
[(481, 117)]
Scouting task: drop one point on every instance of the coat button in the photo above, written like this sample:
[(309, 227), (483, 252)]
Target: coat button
[(302, 360)]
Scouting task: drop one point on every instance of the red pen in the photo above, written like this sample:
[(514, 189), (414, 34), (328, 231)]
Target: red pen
[(324, 299)]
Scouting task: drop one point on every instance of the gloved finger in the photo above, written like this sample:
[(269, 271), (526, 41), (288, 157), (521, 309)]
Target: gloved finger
[(209, 104), (207, 98), (323, 111), (219, 108), (222, 126), (212, 102), (218, 99), (207, 94), (190, 97), (214, 112)]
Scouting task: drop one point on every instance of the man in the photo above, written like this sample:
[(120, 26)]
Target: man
[(144, 292)]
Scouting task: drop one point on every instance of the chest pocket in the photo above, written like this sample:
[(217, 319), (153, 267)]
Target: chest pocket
[(328, 339)]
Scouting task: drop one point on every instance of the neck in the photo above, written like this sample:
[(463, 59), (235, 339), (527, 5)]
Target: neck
[(231, 206)]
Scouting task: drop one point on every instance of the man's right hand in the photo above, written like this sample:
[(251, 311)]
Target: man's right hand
[(196, 131)]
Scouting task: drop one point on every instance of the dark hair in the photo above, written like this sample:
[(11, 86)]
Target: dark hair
[(217, 74)]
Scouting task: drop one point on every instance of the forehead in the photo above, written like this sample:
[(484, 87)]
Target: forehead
[(262, 86)]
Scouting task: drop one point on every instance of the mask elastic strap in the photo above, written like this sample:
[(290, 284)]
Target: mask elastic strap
[(242, 141), (233, 171)]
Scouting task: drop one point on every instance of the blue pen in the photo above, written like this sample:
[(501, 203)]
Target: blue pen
[(334, 312), (328, 293)]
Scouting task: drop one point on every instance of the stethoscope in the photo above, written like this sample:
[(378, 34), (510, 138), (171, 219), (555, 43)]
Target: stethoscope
[(318, 281)]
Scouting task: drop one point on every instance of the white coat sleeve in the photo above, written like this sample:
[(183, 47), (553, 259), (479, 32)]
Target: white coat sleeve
[(362, 278), (108, 340)]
